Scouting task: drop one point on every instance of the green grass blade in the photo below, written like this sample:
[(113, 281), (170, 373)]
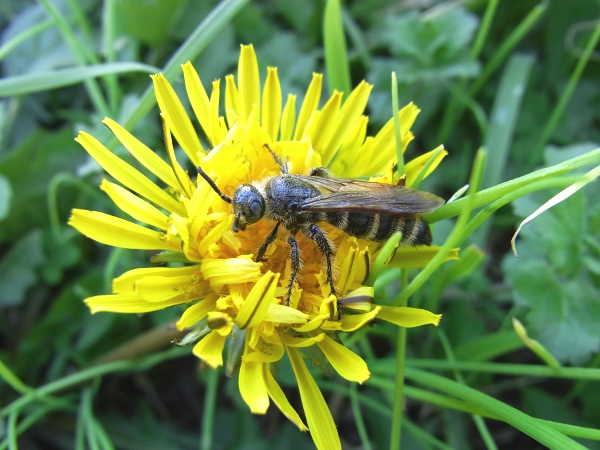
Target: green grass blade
[(455, 109), (484, 28), (534, 428), (494, 193), (108, 44), (81, 55), (21, 37), (455, 237), (86, 375), (528, 370), (210, 403), (489, 346), (212, 24), (54, 79), (336, 55), (559, 109), (508, 45), (486, 436), (358, 418), (503, 120)]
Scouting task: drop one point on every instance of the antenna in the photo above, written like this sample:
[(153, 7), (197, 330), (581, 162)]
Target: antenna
[(212, 184), (282, 165)]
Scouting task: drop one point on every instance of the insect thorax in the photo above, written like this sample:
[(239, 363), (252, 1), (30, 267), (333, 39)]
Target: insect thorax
[(284, 195)]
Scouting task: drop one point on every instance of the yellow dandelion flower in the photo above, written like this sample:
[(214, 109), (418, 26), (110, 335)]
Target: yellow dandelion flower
[(229, 292)]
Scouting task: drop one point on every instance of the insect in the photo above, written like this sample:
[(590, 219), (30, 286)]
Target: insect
[(362, 209)]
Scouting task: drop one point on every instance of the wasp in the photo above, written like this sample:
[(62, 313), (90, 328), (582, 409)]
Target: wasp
[(363, 209)]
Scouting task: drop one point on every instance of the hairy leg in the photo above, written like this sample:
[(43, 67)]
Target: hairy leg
[(263, 248), (314, 233)]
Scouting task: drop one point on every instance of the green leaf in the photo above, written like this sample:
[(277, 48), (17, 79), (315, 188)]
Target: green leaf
[(149, 22), (60, 255), (29, 168), (5, 197), (551, 280), (429, 48), (18, 269)]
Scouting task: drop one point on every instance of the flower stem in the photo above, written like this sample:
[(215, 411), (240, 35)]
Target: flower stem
[(208, 416), (396, 433)]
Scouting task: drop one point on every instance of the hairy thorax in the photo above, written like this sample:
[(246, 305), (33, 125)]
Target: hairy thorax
[(285, 195)]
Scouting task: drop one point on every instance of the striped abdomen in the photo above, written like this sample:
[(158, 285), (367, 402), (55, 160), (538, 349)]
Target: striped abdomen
[(380, 227)]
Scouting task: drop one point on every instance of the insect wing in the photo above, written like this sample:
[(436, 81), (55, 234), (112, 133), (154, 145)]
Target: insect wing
[(340, 195)]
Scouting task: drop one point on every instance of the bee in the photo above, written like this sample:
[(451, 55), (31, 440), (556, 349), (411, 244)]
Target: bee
[(362, 209)]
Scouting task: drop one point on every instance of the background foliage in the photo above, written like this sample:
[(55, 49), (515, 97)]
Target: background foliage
[(67, 64)]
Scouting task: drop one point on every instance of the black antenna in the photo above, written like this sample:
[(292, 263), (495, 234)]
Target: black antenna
[(212, 184), (282, 165)]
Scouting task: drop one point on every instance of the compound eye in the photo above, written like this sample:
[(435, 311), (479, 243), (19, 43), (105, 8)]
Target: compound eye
[(255, 211)]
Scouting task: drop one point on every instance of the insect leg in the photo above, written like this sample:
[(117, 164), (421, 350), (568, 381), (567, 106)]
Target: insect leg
[(295, 259), (263, 248), (281, 164), (317, 235)]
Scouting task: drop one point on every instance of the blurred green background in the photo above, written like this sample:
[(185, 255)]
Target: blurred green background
[(500, 91)]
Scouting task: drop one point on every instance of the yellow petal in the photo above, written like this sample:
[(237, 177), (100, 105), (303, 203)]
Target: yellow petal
[(309, 105), (345, 362), (320, 423), (126, 282), (281, 400), (318, 128), (417, 257), (253, 388), (284, 314), (271, 103), (407, 317), (155, 289), (289, 118), (220, 272), (233, 107), (360, 300), (134, 206), (215, 234), (257, 303), (385, 136), (111, 230), (185, 184), (127, 303), (179, 225), (248, 80), (197, 312), (313, 324), (221, 322), (348, 155), (210, 349), (385, 143), (299, 342), (218, 130), (176, 117), (127, 175), (148, 158), (329, 306), (198, 207), (332, 325), (353, 108), (266, 352), (355, 322), (198, 98), (413, 168)]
